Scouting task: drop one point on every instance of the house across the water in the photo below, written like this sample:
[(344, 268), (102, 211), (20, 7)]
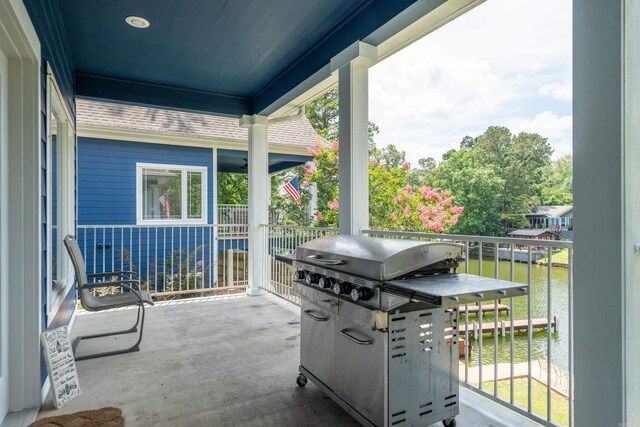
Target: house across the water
[(148, 176), (557, 218)]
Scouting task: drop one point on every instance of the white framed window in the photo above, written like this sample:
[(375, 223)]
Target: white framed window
[(60, 156), (171, 194)]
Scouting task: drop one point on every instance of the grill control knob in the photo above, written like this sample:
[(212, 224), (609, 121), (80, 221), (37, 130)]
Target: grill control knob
[(299, 275), (310, 278), (342, 288), (326, 282), (361, 294)]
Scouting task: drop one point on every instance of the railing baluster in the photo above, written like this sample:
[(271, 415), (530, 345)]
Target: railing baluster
[(122, 248), (570, 332), (529, 330), (512, 308), (104, 248), (549, 360), (155, 260), (113, 248), (466, 318), (496, 258), (480, 365)]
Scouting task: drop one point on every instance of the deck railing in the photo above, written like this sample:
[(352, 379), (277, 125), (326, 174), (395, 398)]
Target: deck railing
[(521, 355), (239, 214), (283, 239), (516, 351), (172, 261)]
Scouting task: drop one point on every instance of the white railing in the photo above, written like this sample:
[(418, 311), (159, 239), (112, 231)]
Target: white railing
[(239, 214), (281, 240), (518, 352), (233, 214), (171, 260), (528, 339)]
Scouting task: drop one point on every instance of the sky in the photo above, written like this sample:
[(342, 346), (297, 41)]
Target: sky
[(504, 63)]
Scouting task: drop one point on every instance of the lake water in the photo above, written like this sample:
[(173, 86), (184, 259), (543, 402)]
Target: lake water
[(539, 298)]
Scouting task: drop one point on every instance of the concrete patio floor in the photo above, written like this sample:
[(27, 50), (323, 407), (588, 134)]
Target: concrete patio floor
[(219, 361)]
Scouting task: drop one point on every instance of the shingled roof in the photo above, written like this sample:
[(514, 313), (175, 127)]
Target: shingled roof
[(551, 211), (98, 114)]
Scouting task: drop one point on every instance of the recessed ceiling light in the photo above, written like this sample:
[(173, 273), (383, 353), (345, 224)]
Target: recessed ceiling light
[(137, 22)]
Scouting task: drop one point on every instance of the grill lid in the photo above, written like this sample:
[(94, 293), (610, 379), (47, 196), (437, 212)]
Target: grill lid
[(375, 258)]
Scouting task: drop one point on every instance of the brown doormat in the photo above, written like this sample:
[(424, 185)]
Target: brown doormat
[(104, 417)]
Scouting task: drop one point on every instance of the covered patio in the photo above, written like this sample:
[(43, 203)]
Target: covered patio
[(233, 360), (223, 361)]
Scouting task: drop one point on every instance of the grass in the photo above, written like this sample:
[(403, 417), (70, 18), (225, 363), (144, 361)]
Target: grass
[(560, 256), (559, 403)]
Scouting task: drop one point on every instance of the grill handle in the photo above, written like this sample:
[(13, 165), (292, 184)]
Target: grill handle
[(318, 318), (345, 333), (326, 261)]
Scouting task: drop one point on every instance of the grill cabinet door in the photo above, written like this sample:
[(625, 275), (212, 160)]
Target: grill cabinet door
[(359, 368), (317, 327)]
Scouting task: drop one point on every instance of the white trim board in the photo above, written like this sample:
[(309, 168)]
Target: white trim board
[(132, 135), (19, 42), (65, 215)]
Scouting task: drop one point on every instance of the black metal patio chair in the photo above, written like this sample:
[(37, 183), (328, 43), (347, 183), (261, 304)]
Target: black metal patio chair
[(131, 295)]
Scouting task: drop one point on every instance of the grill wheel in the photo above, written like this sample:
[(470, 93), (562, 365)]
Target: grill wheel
[(302, 381)]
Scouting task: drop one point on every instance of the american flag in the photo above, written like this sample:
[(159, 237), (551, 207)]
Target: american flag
[(164, 202), (291, 188)]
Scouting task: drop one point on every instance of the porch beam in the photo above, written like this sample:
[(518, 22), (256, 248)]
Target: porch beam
[(353, 77), (606, 76), (157, 95), (259, 191)]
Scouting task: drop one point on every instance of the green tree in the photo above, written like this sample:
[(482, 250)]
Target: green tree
[(519, 161), (323, 114), (422, 175), (477, 187), (556, 186), (448, 154), (233, 188), (468, 143), (390, 156)]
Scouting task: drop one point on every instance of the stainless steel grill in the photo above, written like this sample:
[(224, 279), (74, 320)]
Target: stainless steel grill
[(379, 328)]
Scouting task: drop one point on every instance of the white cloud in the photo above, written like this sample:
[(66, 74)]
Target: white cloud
[(562, 91), (558, 129), (507, 62)]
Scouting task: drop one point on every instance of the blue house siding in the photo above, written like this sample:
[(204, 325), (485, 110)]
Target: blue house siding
[(46, 17), (107, 196), (107, 176)]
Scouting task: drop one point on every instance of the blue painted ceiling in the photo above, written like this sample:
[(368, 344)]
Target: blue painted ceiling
[(223, 46), (223, 56)]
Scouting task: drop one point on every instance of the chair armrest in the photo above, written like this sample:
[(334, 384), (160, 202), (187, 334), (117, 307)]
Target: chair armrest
[(113, 273), (135, 284)]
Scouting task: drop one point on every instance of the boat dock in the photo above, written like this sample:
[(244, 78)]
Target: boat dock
[(504, 326), (486, 309)]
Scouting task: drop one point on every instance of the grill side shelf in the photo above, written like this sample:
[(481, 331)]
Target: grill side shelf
[(451, 290)]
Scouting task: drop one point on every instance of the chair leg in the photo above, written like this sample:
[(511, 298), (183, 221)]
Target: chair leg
[(135, 347)]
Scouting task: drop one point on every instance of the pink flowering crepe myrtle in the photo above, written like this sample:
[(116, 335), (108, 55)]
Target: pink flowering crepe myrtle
[(433, 209)]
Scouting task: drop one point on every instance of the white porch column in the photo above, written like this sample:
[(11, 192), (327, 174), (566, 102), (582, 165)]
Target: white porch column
[(353, 79), (259, 191), (606, 136)]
